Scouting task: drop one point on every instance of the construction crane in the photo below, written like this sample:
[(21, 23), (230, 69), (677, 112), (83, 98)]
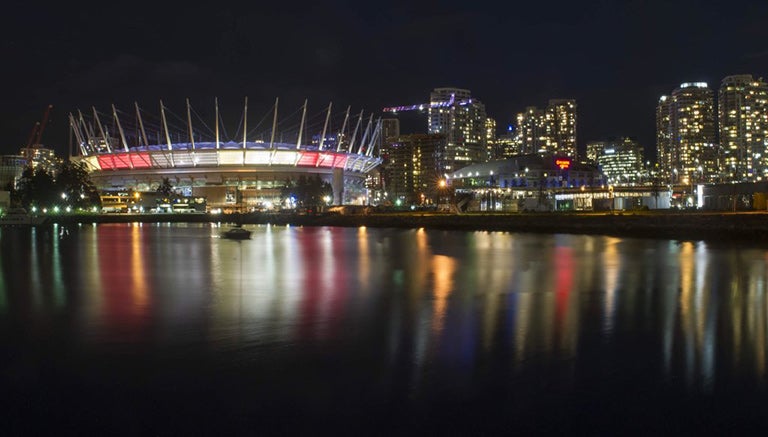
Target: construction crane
[(37, 130), (422, 106)]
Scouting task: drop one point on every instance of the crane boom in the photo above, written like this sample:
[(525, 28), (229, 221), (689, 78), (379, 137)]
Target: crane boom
[(33, 134), (42, 124), (423, 106)]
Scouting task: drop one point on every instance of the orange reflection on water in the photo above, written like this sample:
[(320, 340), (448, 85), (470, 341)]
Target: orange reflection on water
[(443, 268), (139, 276), (364, 259)]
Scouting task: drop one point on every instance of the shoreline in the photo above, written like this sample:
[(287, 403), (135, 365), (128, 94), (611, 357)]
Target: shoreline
[(742, 226)]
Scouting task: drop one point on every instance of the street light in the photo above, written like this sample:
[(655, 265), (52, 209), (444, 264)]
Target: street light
[(610, 196)]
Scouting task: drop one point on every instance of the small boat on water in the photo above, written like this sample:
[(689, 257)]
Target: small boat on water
[(237, 234), (20, 217)]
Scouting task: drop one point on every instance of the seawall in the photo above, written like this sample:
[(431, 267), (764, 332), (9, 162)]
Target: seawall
[(750, 226)]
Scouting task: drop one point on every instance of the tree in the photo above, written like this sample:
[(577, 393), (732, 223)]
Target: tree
[(37, 188), (75, 185), (308, 192), (166, 189), (14, 194), (72, 186)]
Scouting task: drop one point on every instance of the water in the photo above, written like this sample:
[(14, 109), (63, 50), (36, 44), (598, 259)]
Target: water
[(168, 329)]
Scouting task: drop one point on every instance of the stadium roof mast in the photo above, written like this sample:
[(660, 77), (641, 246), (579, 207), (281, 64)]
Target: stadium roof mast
[(245, 120), (119, 128), (101, 130), (274, 125), (301, 126), (325, 129), (88, 129), (189, 124), (141, 124), (216, 105), (365, 135), (165, 126), (73, 127), (354, 134), (274, 131), (374, 137), (167, 134), (341, 133), (245, 126)]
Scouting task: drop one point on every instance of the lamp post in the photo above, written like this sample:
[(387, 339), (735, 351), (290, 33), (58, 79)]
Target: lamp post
[(610, 196)]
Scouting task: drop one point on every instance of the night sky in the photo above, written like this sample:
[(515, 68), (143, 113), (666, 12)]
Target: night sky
[(616, 58)]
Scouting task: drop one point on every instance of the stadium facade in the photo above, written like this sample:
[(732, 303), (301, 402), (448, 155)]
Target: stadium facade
[(236, 174)]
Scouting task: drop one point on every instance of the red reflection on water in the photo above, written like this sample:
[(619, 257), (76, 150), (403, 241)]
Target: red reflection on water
[(324, 288), (563, 281), (125, 302)]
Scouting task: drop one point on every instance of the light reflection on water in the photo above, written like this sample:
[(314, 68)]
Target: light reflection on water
[(442, 304)]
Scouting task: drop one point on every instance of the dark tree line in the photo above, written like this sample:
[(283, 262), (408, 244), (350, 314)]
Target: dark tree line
[(70, 185), (308, 192)]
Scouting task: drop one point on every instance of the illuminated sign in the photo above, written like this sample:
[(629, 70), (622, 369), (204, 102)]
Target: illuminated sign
[(564, 164)]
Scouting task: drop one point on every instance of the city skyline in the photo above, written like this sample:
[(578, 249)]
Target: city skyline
[(375, 57)]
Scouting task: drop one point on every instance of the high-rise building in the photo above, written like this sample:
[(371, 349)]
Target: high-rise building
[(551, 131), (743, 119), (11, 168), (531, 132), (492, 151), (664, 153), (594, 150), (461, 119), (413, 167), (390, 129), (685, 123), (561, 127), (621, 162), (506, 143), (41, 158)]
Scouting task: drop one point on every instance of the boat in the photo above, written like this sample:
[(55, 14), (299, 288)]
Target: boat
[(237, 234), (20, 217)]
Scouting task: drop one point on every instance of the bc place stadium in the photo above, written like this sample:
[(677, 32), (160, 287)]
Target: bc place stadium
[(138, 149)]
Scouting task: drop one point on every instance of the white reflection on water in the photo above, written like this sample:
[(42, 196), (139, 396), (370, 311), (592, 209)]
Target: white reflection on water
[(697, 316), (611, 267)]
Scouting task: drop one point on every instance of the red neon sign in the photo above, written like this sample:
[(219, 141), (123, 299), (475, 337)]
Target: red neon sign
[(564, 164)]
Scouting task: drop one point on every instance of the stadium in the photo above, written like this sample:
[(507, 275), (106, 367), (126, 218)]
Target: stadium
[(137, 150)]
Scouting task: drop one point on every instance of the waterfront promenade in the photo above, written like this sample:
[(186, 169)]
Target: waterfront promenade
[(742, 226)]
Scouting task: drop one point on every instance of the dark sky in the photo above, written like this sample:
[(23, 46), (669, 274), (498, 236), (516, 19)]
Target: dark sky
[(615, 57)]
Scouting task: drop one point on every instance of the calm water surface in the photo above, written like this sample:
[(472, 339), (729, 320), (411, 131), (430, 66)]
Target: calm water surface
[(167, 329)]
